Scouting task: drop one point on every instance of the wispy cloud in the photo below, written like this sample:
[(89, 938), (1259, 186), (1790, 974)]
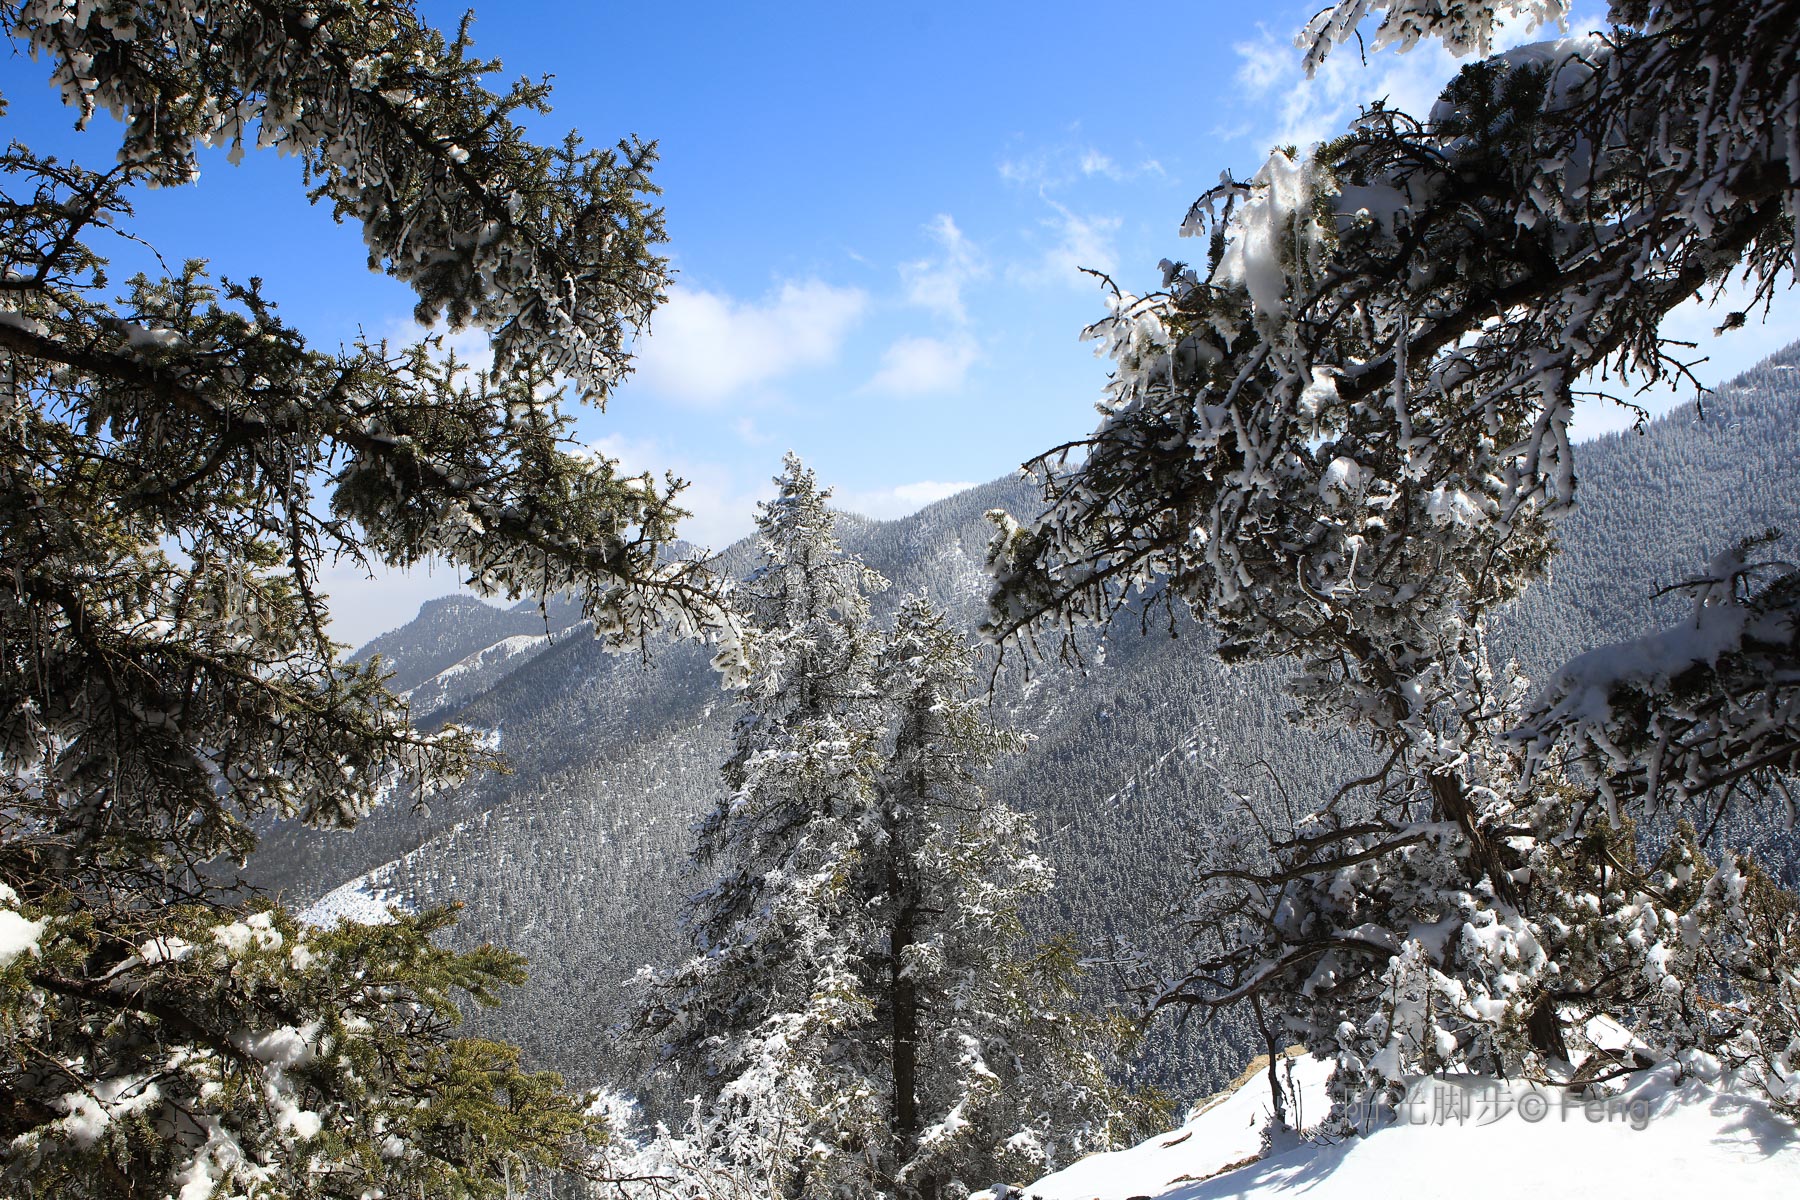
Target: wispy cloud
[(1076, 242), (936, 283), (1095, 163), (706, 347), (1264, 62), (914, 366), (886, 504), (1052, 168), (923, 364)]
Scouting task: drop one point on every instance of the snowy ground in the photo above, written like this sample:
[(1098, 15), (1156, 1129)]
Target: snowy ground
[(1661, 1137), (360, 901)]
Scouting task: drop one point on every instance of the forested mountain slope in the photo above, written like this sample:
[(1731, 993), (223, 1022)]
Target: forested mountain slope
[(577, 858), (448, 631)]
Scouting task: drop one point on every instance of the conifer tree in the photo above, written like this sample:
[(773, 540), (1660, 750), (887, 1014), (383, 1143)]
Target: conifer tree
[(177, 467), (865, 1009), (765, 1010), (996, 1074)]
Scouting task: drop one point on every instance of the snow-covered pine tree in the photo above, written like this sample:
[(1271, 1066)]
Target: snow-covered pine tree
[(865, 1013), (768, 1013), (177, 467), (995, 1072), (1344, 442)]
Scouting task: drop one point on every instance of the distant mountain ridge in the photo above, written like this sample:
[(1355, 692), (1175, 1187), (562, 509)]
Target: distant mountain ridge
[(577, 858)]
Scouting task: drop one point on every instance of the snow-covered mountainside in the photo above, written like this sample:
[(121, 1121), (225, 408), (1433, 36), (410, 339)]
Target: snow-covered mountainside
[(453, 629), (362, 900), (463, 681), (577, 858), (1668, 1134)]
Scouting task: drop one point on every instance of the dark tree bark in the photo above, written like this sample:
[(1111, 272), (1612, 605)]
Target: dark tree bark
[(904, 1011)]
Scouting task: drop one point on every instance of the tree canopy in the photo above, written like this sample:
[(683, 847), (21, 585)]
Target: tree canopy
[(177, 467), (1344, 442)]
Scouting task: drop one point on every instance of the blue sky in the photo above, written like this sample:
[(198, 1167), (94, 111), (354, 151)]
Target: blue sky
[(877, 216)]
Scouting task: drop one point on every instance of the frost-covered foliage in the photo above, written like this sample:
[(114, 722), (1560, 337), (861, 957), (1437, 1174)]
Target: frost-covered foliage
[(764, 1012), (1352, 428), (194, 1051), (1386, 934), (1711, 705), (177, 468), (550, 249), (1344, 444), (205, 396), (865, 1013), (996, 1073), (1465, 26)]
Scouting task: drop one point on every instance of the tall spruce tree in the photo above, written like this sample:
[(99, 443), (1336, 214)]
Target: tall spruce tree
[(766, 1011), (177, 467), (865, 1014), (995, 1073)]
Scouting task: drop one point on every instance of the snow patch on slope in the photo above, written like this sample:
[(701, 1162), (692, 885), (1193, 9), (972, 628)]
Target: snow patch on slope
[(362, 901), (465, 679), (1218, 1134), (494, 655)]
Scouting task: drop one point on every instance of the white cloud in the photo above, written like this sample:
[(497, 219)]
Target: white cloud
[(1058, 166), (917, 365), (1078, 242), (1030, 171), (937, 284), (1095, 163), (706, 347), (721, 501), (887, 504), (1264, 63)]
